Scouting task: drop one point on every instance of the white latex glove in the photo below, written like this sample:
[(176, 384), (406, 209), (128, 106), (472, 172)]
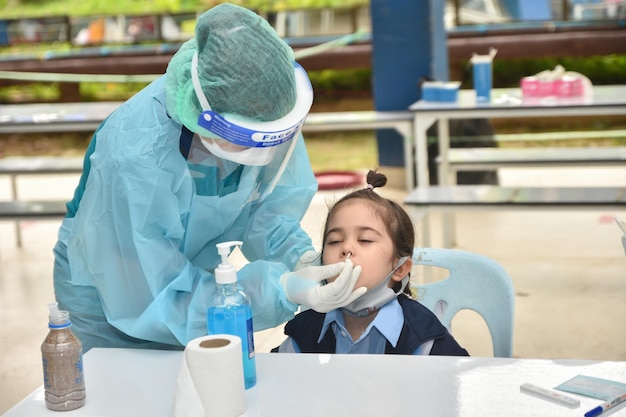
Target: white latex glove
[(304, 286), (309, 258)]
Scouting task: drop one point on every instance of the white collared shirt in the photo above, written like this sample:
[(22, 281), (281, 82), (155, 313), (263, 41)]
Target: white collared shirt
[(386, 327)]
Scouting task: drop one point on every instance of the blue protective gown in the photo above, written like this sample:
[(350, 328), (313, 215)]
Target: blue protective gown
[(135, 255)]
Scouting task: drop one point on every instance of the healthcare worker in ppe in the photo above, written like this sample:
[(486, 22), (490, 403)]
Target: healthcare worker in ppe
[(210, 152)]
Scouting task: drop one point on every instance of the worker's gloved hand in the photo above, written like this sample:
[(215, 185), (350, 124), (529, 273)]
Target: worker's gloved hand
[(310, 258), (305, 286)]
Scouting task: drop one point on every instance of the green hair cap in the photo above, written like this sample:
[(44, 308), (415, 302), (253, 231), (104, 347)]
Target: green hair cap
[(243, 66)]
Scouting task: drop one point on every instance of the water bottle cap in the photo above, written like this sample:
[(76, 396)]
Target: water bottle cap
[(58, 319)]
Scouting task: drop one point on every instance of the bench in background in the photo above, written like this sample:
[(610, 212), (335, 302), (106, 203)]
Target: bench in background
[(484, 197), (64, 117), (23, 210), (17, 210), (86, 117), (476, 159)]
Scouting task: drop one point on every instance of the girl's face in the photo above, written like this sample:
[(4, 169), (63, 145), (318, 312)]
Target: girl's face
[(354, 228)]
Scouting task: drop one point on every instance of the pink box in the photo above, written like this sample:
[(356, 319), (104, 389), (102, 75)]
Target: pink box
[(569, 87), (534, 87), (566, 86)]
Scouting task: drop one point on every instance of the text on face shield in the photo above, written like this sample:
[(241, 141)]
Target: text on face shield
[(268, 139)]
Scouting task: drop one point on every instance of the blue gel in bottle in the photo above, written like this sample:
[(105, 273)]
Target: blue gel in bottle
[(236, 319), (231, 312)]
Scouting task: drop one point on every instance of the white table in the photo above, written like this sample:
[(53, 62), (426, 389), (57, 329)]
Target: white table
[(505, 103), (401, 121), (136, 383)]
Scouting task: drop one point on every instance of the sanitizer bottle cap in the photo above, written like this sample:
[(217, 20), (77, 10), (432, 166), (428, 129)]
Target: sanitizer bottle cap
[(225, 273)]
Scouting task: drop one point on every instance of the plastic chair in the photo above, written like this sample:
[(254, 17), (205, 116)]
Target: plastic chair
[(476, 283)]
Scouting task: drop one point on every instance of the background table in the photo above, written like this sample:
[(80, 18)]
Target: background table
[(505, 103), (127, 382)]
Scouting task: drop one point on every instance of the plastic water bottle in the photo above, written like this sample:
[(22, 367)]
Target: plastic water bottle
[(231, 313), (62, 356), (482, 75)]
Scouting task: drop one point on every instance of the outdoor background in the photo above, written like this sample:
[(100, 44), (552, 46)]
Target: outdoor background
[(335, 90), (568, 268)]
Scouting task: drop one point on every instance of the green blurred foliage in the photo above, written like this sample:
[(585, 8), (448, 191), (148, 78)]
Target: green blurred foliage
[(109, 91), (34, 8), (36, 92), (344, 80), (607, 69), (601, 70)]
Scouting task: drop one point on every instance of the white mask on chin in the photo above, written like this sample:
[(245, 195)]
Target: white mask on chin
[(378, 296)]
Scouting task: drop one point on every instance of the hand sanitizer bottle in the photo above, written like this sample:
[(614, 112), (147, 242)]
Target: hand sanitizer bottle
[(231, 312), (62, 355)]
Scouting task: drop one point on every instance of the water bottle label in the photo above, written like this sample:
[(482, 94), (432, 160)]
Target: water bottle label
[(80, 376), (250, 338)]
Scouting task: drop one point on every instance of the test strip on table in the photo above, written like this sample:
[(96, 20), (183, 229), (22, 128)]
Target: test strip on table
[(550, 395)]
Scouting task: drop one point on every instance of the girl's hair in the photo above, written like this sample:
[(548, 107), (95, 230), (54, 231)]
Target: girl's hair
[(396, 220)]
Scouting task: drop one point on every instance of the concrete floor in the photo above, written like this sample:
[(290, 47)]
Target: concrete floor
[(568, 269)]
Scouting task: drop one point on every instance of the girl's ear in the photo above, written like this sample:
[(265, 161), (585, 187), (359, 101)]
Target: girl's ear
[(403, 270)]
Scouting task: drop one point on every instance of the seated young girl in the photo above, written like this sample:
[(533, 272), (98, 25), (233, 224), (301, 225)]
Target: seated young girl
[(377, 235)]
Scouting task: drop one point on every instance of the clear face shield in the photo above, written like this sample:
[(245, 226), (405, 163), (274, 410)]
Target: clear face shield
[(250, 142)]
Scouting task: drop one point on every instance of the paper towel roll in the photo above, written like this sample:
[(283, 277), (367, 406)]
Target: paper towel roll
[(210, 382)]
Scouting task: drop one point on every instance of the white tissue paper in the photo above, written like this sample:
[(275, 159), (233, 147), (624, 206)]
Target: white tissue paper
[(210, 381)]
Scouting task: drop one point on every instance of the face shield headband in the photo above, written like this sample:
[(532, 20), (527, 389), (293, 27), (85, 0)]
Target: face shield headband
[(378, 296), (251, 133)]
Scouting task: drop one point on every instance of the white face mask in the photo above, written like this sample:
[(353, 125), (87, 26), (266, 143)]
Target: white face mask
[(239, 154), (378, 296)]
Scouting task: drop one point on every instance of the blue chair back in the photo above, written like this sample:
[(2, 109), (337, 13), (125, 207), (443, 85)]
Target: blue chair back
[(475, 282)]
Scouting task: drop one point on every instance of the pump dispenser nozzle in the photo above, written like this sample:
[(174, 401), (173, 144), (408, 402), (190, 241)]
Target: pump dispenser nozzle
[(225, 273)]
